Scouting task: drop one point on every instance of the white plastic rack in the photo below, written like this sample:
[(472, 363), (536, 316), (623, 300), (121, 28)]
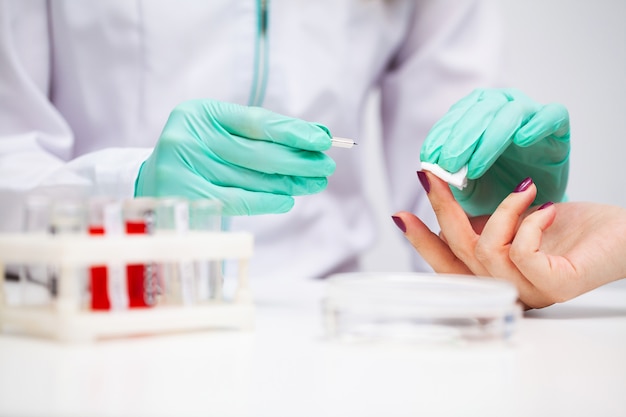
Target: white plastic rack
[(66, 319)]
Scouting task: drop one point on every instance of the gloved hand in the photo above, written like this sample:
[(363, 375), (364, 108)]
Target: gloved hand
[(251, 159), (503, 137)]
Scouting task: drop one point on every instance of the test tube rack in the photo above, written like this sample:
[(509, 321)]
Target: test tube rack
[(65, 318)]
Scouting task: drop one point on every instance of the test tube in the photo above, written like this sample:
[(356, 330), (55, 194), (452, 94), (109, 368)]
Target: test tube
[(36, 280), (172, 217), (141, 279), (205, 215), (68, 216), (107, 282)]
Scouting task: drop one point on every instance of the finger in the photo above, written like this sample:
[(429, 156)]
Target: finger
[(226, 175), (236, 201), (438, 136), (535, 265), (299, 176), (467, 132), (255, 123), (434, 251), (551, 119), (271, 158), (263, 124), (499, 135), (525, 249), (493, 244), (453, 222)]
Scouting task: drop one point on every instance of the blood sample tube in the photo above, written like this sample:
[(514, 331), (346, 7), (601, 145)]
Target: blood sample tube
[(141, 279), (107, 282)]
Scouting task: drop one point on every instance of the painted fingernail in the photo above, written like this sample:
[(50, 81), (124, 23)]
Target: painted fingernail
[(523, 186), (398, 221), (545, 205), (424, 180)]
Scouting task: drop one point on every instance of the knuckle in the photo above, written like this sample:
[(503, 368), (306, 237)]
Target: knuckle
[(256, 115), (483, 252), (465, 252), (166, 143), (184, 107), (437, 208)]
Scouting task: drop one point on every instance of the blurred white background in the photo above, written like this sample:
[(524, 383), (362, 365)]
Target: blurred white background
[(572, 52)]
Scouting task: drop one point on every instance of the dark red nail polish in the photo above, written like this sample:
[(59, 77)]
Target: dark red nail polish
[(421, 175), (523, 186), (398, 221), (545, 205)]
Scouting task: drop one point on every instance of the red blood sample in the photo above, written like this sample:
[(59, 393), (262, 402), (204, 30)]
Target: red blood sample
[(98, 280), (141, 278)]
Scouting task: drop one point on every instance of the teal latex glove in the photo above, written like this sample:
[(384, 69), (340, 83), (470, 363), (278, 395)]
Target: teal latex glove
[(503, 137), (251, 159)]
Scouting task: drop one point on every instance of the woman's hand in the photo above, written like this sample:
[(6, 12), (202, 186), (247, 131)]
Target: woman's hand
[(551, 254)]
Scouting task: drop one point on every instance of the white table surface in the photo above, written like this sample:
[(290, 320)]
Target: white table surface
[(565, 360)]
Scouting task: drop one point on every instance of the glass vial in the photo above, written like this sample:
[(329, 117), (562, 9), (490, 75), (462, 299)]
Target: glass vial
[(172, 217), (107, 282), (36, 280), (141, 279), (205, 215)]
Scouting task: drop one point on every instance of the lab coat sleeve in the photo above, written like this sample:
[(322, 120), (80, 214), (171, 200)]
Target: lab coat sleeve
[(450, 48), (36, 143)]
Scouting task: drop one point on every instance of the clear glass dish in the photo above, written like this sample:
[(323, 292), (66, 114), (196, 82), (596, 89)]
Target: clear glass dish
[(422, 308)]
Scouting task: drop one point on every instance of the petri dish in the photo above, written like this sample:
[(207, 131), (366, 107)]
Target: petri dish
[(419, 308)]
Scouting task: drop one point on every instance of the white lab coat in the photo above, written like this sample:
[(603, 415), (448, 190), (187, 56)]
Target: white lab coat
[(86, 87)]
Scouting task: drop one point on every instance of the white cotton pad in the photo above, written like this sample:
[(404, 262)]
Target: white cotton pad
[(458, 179)]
